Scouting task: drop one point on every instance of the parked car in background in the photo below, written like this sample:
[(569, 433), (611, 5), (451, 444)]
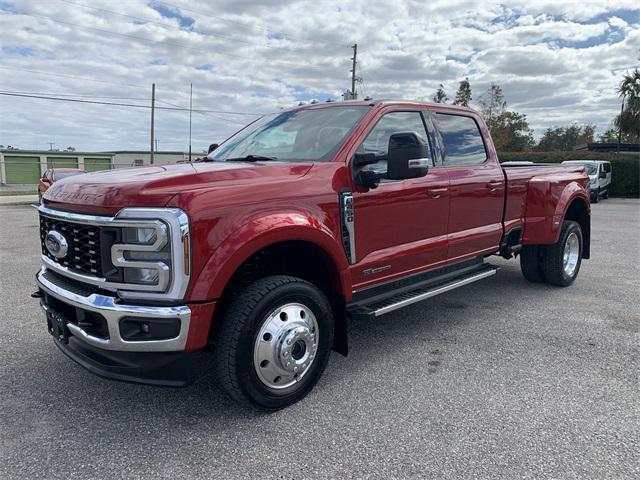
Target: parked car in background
[(599, 172), (52, 175)]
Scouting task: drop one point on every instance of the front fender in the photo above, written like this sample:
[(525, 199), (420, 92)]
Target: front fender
[(258, 233)]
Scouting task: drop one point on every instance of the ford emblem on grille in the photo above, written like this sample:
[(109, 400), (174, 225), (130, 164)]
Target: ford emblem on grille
[(56, 244)]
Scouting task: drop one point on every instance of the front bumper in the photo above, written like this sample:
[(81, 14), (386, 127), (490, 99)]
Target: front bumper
[(86, 326), (113, 312)]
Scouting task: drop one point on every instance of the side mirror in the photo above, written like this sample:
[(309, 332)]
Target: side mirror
[(211, 148), (603, 174), (408, 157)]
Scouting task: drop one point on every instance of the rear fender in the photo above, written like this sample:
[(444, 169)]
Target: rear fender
[(547, 204)]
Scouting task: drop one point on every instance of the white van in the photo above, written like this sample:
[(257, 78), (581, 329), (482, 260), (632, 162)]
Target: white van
[(599, 172)]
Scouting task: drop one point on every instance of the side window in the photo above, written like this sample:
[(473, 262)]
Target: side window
[(377, 142), (607, 167), (463, 144)]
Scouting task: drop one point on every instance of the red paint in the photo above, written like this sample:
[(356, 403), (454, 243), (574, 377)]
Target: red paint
[(51, 176), (236, 209)]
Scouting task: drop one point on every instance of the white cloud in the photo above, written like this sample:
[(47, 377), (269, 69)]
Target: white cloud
[(558, 61)]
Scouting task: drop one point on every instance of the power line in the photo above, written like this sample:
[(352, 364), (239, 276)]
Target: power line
[(118, 104), (204, 113), (75, 77), (78, 95)]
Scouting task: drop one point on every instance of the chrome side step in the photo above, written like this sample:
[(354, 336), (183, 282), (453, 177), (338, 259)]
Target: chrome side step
[(419, 294)]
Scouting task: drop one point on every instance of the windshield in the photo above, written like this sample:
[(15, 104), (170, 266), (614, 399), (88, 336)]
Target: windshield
[(61, 175), (301, 135)]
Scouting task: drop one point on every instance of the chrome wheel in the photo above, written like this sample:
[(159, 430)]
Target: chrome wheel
[(571, 254), (286, 345)]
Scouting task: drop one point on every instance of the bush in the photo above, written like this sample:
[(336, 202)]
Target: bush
[(625, 180)]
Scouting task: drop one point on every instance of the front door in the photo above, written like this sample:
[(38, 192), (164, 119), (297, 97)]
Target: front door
[(400, 226)]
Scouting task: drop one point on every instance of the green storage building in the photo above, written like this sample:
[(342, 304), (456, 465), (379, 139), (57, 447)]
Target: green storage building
[(25, 167)]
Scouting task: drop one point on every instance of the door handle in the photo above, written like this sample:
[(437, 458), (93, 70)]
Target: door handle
[(437, 192)]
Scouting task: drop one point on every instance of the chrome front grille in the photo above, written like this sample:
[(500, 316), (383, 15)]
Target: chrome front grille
[(84, 255)]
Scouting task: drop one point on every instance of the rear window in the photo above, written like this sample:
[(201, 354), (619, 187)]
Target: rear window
[(463, 144)]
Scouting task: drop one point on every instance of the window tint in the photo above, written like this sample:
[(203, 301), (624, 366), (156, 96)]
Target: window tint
[(377, 142), (462, 140), (607, 167)]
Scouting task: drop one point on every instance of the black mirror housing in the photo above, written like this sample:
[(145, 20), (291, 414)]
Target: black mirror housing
[(408, 157)]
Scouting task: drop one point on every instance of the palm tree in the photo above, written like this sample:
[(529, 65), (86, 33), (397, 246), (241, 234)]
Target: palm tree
[(628, 122)]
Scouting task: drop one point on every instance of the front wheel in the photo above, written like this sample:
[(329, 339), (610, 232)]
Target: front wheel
[(561, 261), (595, 196), (274, 342)]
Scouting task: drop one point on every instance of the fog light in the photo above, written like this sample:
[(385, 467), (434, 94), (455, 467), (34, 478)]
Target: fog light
[(137, 328)]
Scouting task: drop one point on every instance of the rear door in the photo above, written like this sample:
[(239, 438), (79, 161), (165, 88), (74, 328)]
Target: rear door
[(476, 187), (400, 226)]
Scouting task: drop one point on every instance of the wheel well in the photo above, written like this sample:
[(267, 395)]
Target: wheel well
[(577, 212), (300, 259)]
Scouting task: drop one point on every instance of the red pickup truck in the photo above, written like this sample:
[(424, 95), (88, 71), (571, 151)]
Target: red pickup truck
[(251, 262)]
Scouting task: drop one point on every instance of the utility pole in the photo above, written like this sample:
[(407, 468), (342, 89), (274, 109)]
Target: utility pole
[(50, 146), (153, 108), (354, 95), (190, 108)]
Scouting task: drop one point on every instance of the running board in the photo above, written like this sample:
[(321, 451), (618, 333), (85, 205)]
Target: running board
[(409, 298)]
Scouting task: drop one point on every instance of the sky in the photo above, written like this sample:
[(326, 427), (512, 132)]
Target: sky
[(559, 62)]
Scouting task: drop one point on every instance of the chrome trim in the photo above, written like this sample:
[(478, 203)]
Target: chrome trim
[(173, 281), (113, 312), (419, 163), (348, 225), (436, 291)]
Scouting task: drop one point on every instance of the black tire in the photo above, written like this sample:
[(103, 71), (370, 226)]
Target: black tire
[(531, 263), (595, 197), (235, 341), (552, 258)]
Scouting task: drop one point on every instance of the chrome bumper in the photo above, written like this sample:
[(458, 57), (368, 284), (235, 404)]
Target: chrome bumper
[(113, 312)]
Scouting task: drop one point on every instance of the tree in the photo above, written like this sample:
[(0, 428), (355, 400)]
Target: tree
[(492, 105), (440, 96), (565, 138), (510, 130), (70, 149), (628, 121), (511, 133), (463, 95)]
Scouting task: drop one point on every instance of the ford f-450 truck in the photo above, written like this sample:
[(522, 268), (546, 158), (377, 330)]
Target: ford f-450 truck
[(251, 262)]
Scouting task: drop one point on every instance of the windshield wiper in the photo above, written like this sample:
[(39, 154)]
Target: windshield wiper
[(251, 158)]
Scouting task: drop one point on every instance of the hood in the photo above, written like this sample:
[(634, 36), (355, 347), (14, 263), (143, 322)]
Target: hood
[(153, 186)]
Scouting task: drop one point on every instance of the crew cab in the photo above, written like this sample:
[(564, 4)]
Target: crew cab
[(251, 262)]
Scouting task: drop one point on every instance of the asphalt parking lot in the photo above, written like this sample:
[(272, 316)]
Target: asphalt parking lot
[(499, 379)]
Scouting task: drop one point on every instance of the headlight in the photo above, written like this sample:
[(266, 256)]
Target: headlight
[(139, 235), (153, 253)]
